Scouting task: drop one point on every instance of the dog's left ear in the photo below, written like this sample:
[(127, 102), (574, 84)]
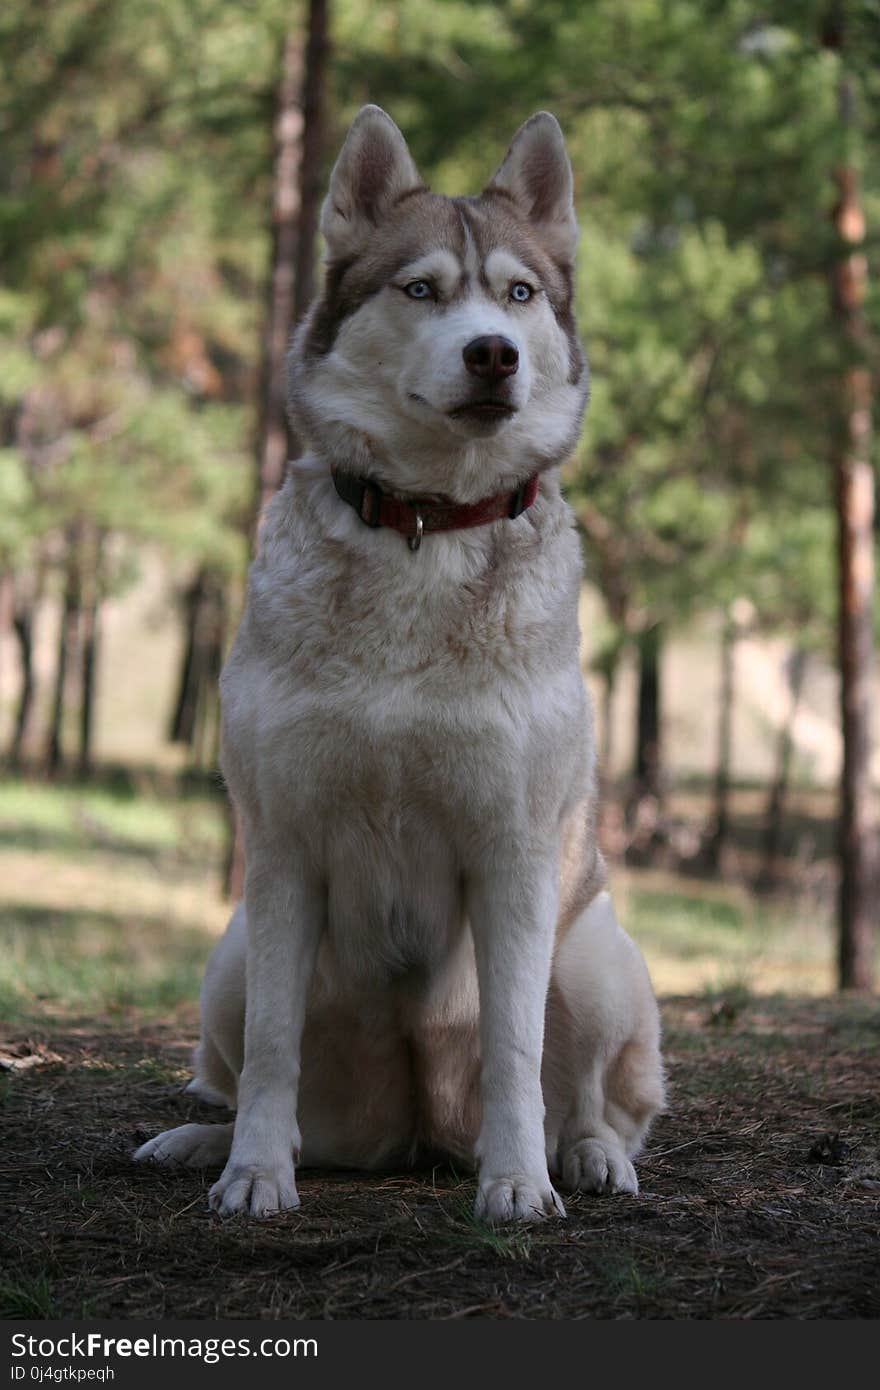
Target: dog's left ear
[(373, 170), (536, 174)]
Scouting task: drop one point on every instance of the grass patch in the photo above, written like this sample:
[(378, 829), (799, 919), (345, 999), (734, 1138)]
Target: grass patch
[(109, 904), (95, 964), (715, 938), (465, 1232), (624, 1278), (27, 1298), (74, 819), (109, 899)]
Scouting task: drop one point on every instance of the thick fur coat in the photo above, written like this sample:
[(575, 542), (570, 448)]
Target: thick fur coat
[(427, 957)]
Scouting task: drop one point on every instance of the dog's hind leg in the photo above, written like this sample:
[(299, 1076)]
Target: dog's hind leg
[(189, 1146), (217, 1058), (213, 1082), (603, 1077)]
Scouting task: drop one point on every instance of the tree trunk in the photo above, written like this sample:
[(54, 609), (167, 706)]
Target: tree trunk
[(299, 146), (90, 642), (6, 610), (212, 636), (721, 816), (23, 627), (67, 653), (645, 803), (205, 620), (312, 162), (193, 665), (89, 637), (774, 817), (854, 501), (25, 595), (183, 720), (272, 438), (648, 759)]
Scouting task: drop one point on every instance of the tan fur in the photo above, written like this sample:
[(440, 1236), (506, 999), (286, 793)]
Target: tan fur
[(428, 956)]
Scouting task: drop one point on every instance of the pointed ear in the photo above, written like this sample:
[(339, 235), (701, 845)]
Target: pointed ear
[(536, 174), (373, 169)]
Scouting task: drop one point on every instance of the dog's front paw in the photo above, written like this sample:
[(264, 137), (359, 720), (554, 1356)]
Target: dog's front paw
[(516, 1199), (594, 1165), (258, 1189)]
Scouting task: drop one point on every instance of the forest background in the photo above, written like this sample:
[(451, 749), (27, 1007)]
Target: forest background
[(162, 169)]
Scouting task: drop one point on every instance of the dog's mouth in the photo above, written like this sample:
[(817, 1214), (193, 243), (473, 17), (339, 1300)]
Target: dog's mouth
[(489, 408)]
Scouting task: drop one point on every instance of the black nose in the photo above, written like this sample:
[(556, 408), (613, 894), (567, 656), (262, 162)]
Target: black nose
[(491, 358)]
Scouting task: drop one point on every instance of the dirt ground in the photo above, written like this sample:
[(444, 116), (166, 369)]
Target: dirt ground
[(760, 1194)]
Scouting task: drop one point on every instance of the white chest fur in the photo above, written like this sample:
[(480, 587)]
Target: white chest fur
[(393, 713)]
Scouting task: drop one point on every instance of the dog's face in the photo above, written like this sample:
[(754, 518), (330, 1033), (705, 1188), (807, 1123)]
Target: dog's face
[(442, 355)]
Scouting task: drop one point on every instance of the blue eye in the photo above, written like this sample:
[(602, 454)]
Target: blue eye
[(521, 292), (419, 289)]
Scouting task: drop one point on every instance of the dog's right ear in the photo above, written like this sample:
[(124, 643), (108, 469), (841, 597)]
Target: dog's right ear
[(373, 170), (536, 174)]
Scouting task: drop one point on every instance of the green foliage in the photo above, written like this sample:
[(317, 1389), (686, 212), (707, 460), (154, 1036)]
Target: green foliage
[(703, 138), (135, 267), (133, 232)]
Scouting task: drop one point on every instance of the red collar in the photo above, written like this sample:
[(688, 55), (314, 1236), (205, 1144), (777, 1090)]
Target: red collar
[(412, 516)]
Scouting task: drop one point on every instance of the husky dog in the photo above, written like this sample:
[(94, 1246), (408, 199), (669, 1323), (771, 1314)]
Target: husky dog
[(426, 958)]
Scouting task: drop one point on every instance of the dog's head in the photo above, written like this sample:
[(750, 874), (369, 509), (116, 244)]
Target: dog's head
[(442, 355)]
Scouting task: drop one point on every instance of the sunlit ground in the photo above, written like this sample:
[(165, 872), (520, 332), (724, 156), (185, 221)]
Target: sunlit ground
[(699, 936), (109, 902)]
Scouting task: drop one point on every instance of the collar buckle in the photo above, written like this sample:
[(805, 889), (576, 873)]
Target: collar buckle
[(415, 541)]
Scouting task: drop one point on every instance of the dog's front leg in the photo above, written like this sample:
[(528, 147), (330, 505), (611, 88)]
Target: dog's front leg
[(512, 908), (285, 914)]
